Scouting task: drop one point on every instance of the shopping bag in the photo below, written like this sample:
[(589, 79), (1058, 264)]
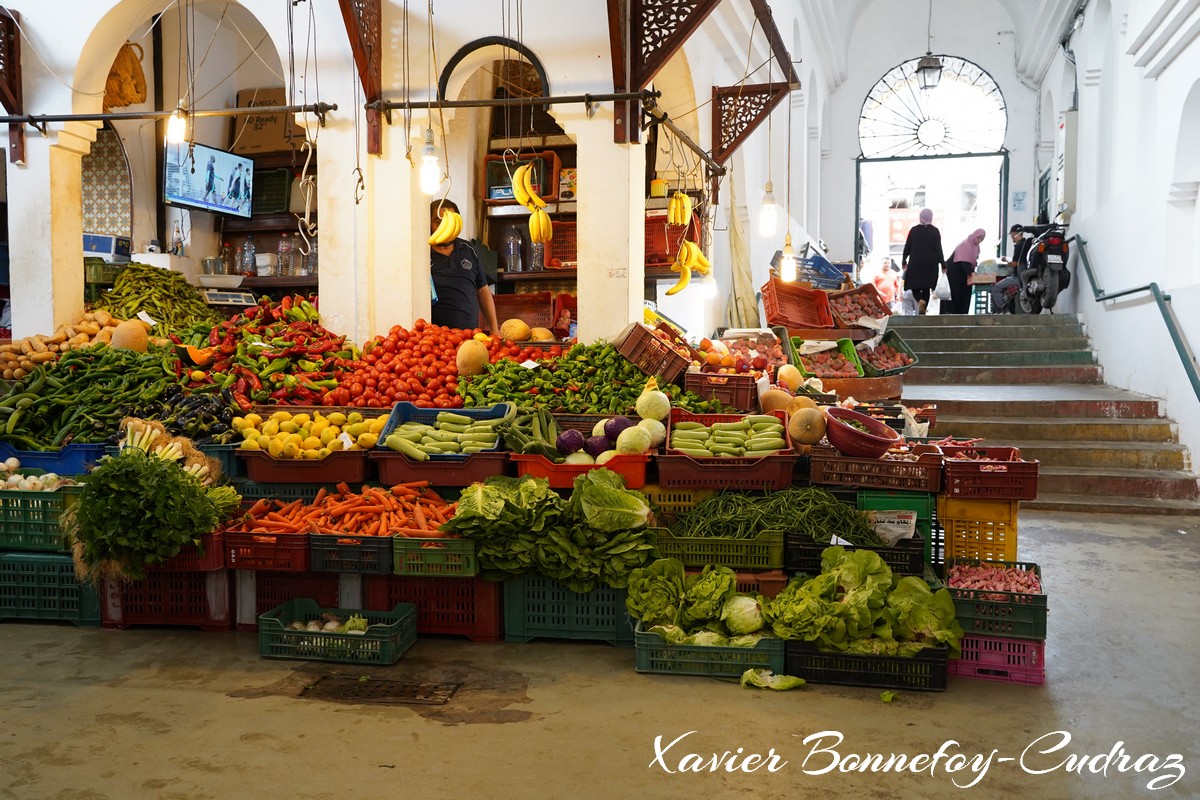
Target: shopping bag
[(942, 290)]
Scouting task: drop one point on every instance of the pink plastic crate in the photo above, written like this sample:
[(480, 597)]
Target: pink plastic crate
[(996, 658)]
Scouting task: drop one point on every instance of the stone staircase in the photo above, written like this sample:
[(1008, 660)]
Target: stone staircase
[(1033, 382)]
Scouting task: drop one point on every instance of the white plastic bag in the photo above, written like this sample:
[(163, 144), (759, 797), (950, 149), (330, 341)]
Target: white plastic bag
[(942, 290)]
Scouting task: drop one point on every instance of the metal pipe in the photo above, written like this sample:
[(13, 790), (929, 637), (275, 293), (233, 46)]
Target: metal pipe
[(660, 117), (39, 120), (394, 105)]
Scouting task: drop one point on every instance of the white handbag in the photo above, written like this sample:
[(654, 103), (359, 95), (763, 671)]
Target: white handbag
[(942, 290)]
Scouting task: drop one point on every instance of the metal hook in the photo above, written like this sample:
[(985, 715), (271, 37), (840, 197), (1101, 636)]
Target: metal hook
[(360, 185)]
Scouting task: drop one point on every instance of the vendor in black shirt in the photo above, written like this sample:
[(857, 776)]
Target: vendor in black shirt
[(461, 286)]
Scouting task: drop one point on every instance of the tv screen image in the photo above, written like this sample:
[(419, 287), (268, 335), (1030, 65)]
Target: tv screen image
[(204, 178)]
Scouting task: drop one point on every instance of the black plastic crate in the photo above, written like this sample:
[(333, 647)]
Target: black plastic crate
[(924, 672), (802, 554), (370, 555)]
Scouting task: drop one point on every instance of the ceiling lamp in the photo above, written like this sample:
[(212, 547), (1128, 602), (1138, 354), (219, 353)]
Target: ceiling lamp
[(177, 126), (768, 215), (431, 173), (929, 68), (787, 261)]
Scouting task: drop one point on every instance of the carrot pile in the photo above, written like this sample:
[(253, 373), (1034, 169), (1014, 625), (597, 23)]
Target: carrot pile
[(406, 509)]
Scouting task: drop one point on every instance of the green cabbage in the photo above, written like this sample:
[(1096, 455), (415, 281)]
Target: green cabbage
[(656, 592), (765, 679), (742, 614), (707, 639), (671, 634), (601, 501), (749, 639), (704, 595)]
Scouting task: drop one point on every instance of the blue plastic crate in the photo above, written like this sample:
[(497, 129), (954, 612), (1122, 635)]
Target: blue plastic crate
[(74, 459), (407, 412)]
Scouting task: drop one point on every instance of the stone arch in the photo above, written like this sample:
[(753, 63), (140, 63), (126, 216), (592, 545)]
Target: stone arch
[(473, 55), (1184, 219), (1101, 70)]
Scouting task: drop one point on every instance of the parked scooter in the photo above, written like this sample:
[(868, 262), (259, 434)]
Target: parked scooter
[(1045, 274)]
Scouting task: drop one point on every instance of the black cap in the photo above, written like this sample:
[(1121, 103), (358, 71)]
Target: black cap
[(1014, 229)]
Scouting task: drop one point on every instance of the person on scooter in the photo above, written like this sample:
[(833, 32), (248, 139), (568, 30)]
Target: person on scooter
[(959, 266), (1003, 289)]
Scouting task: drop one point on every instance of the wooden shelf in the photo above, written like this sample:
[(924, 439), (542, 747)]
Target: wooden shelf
[(652, 274), (265, 224), (286, 281)]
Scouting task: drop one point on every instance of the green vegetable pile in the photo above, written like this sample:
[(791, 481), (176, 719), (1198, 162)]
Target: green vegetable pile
[(164, 294), (856, 606), (809, 510), (83, 396), (699, 609), (137, 509), (521, 526), (588, 379)]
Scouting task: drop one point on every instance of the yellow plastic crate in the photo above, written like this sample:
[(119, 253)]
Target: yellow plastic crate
[(981, 529), (675, 502)]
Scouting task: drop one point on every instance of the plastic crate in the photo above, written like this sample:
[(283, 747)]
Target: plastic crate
[(897, 343), (844, 346), (281, 552), (792, 306), (73, 459), (925, 672), (768, 583), (389, 635), (728, 335), (802, 554), (923, 504), (654, 654), (996, 658), (739, 392), (194, 599), (584, 423), (189, 558), (498, 171), (663, 240), (470, 607), (672, 503), (407, 412), (866, 292), (765, 551), (398, 468), (631, 468), (535, 309), (652, 355), (1017, 615), (43, 586), (889, 414), (982, 529), (434, 558), (1005, 477), (30, 520), (329, 552), (252, 492), (922, 475), (349, 466), (676, 470), (564, 245), (259, 592), (226, 455), (536, 606)]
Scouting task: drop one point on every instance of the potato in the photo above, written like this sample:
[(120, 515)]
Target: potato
[(26, 365), (90, 328), (10, 348), (80, 339), (53, 348), (8, 374), (38, 345), (43, 357), (89, 317), (114, 322), (18, 373), (101, 316), (59, 336), (104, 336), (26, 346)]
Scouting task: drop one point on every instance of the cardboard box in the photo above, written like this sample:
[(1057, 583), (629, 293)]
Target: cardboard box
[(568, 178), (262, 133)]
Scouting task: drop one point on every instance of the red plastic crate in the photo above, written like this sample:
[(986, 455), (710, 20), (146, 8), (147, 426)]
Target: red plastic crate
[(195, 599), (794, 306), (922, 475), (188, 559), (398, 468), (867, 292), (1006, 477), (259, 592), (676, 470), (535, 309), (739, 392), (768, 583), (663, 240), (282, 552), (652, 355), (564, 246), (468, 607), (349, 466), (995, 658), (631, 468)]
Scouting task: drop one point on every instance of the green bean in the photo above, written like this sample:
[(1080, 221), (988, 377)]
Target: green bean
[(810, 510)]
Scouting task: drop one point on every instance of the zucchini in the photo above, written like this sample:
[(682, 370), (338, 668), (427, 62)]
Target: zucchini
[(411, 450), (452, 427), (755, 419), (688, 426), (732, 426), (765, 444), (447, 417), (482, 438), (721, 449), (766, 426)]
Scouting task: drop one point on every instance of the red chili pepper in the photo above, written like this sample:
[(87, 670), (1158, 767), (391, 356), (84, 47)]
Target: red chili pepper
[(242, 401), (325, 347), (535, 390), (214, 336), (285, 303), (279, 394), (306, 395), (178, 368), (239, 388), (251, 379)]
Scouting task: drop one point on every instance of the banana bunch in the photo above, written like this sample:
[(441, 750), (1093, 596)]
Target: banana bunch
[(540, 229), (689, 258), (679, 209), (448, 229)]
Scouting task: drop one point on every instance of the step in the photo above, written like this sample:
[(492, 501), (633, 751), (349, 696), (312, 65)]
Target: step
[(1101, 482), (1074, 429), (1014, 405), (1105, 455), (985, 333), (990, 320), (1004, 375), (997, 344), (1023, 358), (1085, 504)]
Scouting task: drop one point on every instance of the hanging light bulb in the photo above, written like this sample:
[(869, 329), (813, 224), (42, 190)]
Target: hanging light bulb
[(177, 126), (431, 173), (768, 215), (787, 260)]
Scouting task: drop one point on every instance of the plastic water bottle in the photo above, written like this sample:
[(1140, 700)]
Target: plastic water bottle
[(226, 256), (512, 251), (236, 268), (537, 257), (310, 267), (177, 240), (249, 265), (284, 267)]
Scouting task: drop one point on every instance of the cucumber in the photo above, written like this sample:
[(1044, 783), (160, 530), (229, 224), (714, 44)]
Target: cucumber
[(444, 417), (411, 450), (688, 426), (732, 426), (765, 444), (755, 419)]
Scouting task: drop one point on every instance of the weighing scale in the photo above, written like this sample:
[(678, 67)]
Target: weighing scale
[(228, 300)]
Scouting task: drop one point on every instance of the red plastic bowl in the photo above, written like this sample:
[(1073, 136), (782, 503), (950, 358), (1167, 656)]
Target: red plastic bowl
[(851, 441)]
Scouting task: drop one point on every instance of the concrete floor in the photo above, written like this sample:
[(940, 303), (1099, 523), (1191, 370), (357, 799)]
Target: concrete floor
[(88, 713)]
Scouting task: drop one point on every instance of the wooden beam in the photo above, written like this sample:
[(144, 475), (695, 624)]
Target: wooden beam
[(363, 20), (767, 21), (659, 28), (10, 81), (738, 110)]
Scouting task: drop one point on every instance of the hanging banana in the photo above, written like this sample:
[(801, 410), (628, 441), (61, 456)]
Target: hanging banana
[(679, 209), (448, 229), (689, 258)]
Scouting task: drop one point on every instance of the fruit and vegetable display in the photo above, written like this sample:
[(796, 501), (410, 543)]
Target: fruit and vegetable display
[(355, 624), (450, 435), (12, 480), (884, 356), (699, 609), (522, 526), (856, 304), (203, 418), (810, 510), (750, 354), (751, 436), (308, 436), (856, 606), (407, 509), (162, 294), (830, 364), (993, 578), (19, 357)]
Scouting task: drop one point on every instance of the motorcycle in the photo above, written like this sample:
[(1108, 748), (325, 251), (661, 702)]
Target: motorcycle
[(1044, 275)]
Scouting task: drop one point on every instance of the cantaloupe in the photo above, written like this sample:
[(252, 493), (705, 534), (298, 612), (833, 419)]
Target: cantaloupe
[(471, 358), (774, 400), (798, 402), (515, 330), (541, 335), (130, 335), (790, 377), (807, 426)]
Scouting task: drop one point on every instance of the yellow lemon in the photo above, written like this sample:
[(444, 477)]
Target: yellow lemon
[(337, 418), (367, 440), (324, 451), (377, 425), (249, 432), (355, 429), (354, 416), (294, 438), (281, 416), (335, 445), (275, 448), (250, 444), (312, 443), (263, 441), (319, 425), (253, 419), (327, 436), (302, 419), (270, 427), (238, 423), (311, 455), (291, 450)]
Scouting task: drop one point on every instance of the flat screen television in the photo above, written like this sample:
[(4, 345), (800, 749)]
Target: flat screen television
[(207, 179)]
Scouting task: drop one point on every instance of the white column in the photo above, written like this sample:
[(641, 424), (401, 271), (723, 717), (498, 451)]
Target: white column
[(611, 225), (48, 221)]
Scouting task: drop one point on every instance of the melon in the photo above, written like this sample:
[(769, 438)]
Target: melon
[(130, 335), (541, 335), (790, 377), (471, 358), (807, 426), (799, 402), (515, 330), (774, 400)]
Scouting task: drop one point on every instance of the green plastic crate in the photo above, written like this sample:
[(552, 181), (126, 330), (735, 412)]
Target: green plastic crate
[(844, 346), (30, 520), (765, 551), (226, 454), (536, 606), (434, 558), (43, 586), (923, 503), (390, 634), (654, 654), (1014, 615)]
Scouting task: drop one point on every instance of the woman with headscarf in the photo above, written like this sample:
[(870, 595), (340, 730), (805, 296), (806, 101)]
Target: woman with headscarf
[(959, 267), (922, 256)]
